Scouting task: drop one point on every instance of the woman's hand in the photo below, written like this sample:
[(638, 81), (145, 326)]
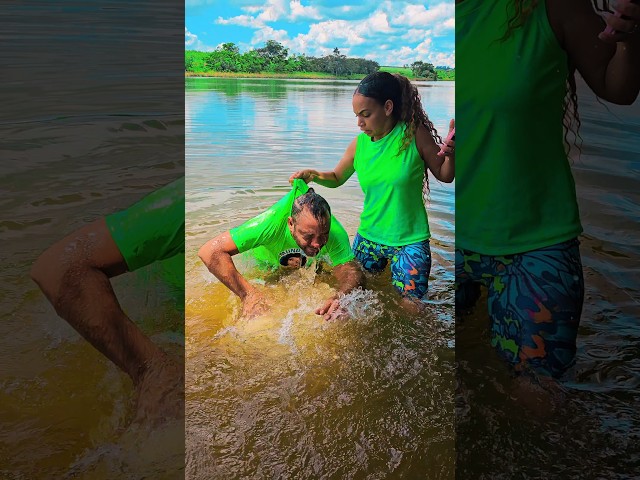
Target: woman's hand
[(305, 175), (622, 23), (448, 147)]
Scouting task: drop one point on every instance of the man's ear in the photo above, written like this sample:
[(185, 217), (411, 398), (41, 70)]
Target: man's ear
[(290, 222)]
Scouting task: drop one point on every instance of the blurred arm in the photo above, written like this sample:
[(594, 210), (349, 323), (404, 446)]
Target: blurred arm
[(74, 276)]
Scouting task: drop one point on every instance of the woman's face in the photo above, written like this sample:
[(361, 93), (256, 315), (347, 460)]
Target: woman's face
[(373, 119)]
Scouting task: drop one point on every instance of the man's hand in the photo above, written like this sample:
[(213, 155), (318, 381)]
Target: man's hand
[(254, 304), (331, 309), (160, 391)]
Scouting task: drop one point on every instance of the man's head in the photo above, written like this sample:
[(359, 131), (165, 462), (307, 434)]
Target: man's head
[(310, 222)]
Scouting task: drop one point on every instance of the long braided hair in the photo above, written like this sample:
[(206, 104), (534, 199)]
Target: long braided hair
[(407, 107), (520, 11)]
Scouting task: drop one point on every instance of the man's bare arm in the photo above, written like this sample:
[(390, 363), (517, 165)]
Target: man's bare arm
[(216, 255), (74, 275), (349, 276)]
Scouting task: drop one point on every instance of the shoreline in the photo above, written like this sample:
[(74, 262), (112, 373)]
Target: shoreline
[(298, 76)]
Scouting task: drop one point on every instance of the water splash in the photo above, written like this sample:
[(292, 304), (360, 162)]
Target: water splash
[(361, 304)]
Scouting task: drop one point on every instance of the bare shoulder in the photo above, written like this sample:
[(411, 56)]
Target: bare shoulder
[(425, 143), (577, 26), (352, 146)]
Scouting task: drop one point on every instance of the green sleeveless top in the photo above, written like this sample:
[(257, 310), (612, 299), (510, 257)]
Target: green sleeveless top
[(394, 213), (514, 188)]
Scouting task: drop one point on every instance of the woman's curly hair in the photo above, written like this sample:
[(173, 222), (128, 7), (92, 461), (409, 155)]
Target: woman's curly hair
[(407, 106), (518, 13)]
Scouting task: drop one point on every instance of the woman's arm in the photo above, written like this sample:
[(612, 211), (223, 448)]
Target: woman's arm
[(334, 178), (442, 167), (610, 64)]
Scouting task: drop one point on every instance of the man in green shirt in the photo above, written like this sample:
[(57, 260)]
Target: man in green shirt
[(298, 226)]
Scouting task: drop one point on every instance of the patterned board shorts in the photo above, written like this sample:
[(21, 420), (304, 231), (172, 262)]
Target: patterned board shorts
[(410, 264), (535, 301)]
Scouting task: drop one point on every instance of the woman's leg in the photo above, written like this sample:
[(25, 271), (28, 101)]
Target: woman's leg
[(371, 255), (410, 268)]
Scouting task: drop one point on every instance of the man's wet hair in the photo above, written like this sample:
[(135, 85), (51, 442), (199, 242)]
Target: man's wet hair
[(314, 203)]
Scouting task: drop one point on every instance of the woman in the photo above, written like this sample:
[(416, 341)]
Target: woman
[(517, 219), (397, 146)]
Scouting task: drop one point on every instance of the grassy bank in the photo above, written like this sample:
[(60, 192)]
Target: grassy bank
[(301, 75), (269, 75)]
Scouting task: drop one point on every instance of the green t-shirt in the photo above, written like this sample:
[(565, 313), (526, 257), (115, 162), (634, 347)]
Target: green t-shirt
[(514, 188), (152, 230), (269, 237), (394, 213)]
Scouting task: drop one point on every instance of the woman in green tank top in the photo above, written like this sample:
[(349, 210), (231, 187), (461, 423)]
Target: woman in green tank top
[(517, 219), (392, 155)]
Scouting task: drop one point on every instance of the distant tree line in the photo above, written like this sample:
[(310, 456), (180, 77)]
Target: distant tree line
[(274, 58)]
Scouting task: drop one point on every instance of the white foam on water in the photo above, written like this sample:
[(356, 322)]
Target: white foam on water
[(226, 330), (285, 336), (361, 304)]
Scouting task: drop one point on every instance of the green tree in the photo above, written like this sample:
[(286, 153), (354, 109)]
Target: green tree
[(230, 47), (424, 70), (275, 55)]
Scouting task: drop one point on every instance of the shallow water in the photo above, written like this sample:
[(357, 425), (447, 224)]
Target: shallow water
[(288, 395), (88, 127), (595, 431), (60, 399)]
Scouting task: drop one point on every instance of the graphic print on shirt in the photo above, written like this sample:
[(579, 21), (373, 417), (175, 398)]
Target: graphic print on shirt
[(293, 257)]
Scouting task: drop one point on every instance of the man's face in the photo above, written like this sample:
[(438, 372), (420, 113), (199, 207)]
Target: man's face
[(309, 233)]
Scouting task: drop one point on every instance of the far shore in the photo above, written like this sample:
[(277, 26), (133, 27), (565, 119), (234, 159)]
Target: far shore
[(301, 75)]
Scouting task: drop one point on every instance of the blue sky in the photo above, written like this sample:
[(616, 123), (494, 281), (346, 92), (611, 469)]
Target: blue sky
[(392, 33)]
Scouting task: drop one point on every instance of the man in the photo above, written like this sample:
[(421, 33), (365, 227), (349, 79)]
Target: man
[(298, 226), (74, 275)]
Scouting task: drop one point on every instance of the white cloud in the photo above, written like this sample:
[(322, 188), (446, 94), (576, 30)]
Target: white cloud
[(251, 9), (242, 20), (407, 55), (344, 34), (424, 48), (300, 11), (192, 42), (376, 36), (332, 30), (267, 33), (376, 23), (444, 59), (420, 16), (272, 11), (189, 38), (416, 34)]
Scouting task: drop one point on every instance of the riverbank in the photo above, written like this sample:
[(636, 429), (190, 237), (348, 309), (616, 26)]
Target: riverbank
[(293, 75)]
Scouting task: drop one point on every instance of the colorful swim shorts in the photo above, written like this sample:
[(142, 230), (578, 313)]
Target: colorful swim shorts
[(534, 300), (410, 264)]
